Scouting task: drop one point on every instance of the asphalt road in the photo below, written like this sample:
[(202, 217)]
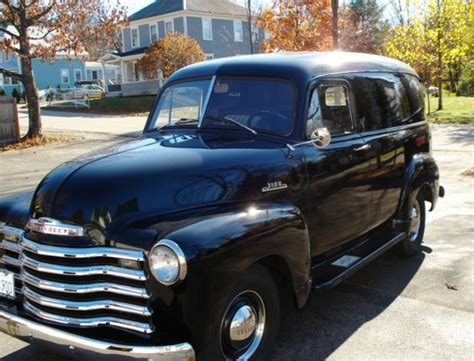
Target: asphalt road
[(83, 122), (420, 308)]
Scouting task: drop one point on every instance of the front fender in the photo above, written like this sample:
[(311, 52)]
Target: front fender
[(14, 209), (422, 173), (220, 247)]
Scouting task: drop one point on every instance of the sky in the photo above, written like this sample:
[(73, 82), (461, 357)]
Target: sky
[(134, 5)]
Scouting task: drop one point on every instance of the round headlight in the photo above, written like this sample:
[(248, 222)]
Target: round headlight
[(167, 262)]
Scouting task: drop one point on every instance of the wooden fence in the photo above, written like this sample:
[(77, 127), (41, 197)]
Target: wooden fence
[(9, 127)]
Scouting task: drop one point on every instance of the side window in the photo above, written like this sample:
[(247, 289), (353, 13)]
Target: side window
[(416, 96), (381, 99), (329, 107)]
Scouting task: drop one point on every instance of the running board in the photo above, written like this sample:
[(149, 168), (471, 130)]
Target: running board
[(347, 264)]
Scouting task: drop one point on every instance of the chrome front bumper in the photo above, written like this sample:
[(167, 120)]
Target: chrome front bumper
[(67, 343)]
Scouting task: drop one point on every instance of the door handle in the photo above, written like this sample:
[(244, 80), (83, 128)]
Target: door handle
[(362, 147)]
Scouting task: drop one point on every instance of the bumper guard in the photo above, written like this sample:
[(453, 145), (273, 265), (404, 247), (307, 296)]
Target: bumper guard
[(67, 343)]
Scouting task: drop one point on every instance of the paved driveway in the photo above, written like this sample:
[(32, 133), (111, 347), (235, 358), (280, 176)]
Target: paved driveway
[(82, 122), (397, 309)]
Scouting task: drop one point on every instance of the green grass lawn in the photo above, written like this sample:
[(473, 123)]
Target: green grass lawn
[(456, 110), (119, 106)]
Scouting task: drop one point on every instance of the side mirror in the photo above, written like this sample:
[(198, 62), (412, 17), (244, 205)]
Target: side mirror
[(321, 137)]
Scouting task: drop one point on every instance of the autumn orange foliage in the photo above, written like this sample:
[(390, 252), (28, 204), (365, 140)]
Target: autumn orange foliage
[(297, 25), (169, 54)]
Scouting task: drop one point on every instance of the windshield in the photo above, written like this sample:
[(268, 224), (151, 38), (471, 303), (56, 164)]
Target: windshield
[(181, 103), (266, 105)]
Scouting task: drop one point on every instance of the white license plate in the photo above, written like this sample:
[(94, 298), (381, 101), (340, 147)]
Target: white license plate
[(7, 284)]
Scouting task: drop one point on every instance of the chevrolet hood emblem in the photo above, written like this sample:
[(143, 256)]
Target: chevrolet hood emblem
[(47, 225)]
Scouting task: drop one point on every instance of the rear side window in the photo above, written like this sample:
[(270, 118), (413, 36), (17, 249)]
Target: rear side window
[(416, 96), (382, 100)]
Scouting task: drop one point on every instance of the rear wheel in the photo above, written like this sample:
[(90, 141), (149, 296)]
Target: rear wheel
[(247, 326), (412, 244)]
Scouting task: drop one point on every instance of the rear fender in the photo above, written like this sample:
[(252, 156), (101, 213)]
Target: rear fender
[(422, 175)]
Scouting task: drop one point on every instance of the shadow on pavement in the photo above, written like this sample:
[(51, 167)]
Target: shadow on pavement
[(331, 317), (462, 136), (34, 353), (457, 136)]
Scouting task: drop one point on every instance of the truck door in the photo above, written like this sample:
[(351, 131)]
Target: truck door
[(383, 111), (338, 194)]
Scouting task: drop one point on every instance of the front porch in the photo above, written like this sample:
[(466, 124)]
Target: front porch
[(130, 80)]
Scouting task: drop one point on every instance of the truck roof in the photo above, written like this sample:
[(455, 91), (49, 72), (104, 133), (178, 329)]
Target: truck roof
[(300, 66)]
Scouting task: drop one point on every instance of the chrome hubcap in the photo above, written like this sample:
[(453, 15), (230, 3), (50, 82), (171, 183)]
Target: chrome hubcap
[(243, 326), (415, 221)]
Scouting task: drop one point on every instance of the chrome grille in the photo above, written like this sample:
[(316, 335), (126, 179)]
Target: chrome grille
[(79, 287)]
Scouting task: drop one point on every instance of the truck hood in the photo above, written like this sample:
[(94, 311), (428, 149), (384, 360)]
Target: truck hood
[(125, 185)]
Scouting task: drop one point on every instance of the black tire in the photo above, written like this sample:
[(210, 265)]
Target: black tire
[(253, 286), (411, 245)]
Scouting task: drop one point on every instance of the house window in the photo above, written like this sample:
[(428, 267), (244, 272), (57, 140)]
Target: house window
[(169, 28), (135, 41), (94, 75), (153, 33), (207, 29), (77, 75), (209, 56), (7, 80), (65, 76), (254, 34), (238, 31)]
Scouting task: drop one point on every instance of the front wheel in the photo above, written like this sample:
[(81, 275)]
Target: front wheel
[(412, 244), (247, 326)]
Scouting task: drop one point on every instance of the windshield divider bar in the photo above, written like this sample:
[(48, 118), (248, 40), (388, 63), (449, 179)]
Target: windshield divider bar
[(206, 101)]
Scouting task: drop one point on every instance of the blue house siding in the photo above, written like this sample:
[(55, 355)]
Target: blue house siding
[(178, 24), (144, 35), (222, 43), (12, 65), (49, 74)]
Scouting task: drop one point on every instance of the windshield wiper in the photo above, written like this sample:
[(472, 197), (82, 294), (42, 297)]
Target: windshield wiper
[(185, 121), (226, 119), (179, 122)]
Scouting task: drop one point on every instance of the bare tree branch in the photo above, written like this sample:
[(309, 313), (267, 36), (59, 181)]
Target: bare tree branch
[(35, 18), (8, 32), (11, 74)]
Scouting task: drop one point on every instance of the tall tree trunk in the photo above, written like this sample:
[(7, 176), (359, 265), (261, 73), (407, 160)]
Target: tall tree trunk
[(249, 20), (440, 74), (34, 115), (440, 57), (335, 30), (440, 83), (452, 82)]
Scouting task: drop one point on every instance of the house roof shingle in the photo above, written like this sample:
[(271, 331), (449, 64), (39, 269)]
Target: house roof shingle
[(161, 7), (158, 7), (216, 7)]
